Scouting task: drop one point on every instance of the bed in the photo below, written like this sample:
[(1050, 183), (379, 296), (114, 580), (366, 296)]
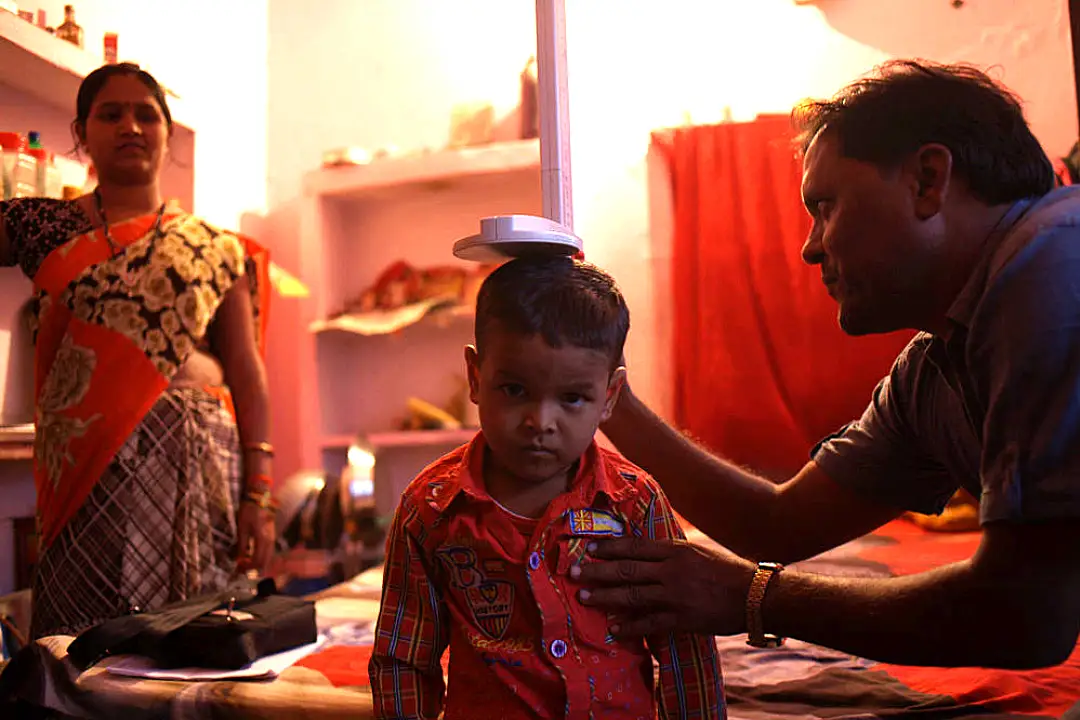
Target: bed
[(795, 682)]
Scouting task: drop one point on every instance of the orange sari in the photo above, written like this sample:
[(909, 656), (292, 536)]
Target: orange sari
[(112, 331)]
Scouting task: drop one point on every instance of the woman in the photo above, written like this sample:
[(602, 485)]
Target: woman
[(147, 486)]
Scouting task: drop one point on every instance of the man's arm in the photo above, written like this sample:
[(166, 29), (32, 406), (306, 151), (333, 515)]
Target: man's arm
[(752, 516), (1016, 604), (411, 634)]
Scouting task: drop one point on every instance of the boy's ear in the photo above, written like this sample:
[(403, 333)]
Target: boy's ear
[(615, 385), (472, 370)]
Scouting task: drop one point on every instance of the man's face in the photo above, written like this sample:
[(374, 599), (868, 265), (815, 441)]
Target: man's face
[(876, 254)]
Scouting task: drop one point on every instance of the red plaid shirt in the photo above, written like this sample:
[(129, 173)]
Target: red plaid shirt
[(461, 571)]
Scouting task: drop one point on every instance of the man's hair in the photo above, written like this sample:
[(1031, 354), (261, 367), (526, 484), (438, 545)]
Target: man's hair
[(565, 301), (905, 104)]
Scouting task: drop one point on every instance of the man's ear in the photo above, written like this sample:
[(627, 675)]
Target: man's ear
[(472, 370), (930, 176)]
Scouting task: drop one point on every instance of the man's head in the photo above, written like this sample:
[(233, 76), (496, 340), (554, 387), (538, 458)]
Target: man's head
[(545, 371), (904, 173)]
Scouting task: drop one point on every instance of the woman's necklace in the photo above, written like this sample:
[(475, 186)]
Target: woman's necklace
[(113, 247), (125, 273)]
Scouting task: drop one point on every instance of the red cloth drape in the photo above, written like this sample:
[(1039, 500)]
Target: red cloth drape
[(761, 368)]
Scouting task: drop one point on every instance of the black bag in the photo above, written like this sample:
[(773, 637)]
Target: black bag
[(219, 631)]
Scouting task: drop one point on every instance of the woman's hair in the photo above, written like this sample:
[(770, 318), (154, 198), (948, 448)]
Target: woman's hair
[(565, 301), (93, 83), (906, 104)]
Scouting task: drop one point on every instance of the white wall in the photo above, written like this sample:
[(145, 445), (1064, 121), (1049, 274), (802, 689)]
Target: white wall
[(213, 54)]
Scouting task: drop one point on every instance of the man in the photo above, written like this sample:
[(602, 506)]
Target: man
[(933, 209)]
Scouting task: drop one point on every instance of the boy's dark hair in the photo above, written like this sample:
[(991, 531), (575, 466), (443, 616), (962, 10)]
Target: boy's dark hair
[(565, 301), (905, 104)]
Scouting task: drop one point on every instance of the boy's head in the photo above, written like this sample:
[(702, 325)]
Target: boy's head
[(545, 370)]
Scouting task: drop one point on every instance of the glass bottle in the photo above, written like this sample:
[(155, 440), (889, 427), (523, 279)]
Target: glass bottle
[(70, 30), (530, 101)]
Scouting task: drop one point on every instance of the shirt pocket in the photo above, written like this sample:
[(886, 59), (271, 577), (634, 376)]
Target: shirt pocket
[(581, 528), (590, 624)]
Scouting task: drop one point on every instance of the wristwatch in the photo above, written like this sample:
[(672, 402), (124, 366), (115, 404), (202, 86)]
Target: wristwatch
[(755, 629)]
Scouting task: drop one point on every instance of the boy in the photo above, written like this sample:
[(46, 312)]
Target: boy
[(479, 553)]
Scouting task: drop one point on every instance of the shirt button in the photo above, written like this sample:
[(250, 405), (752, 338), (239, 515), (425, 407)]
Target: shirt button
[(558, 648), (534, 561)]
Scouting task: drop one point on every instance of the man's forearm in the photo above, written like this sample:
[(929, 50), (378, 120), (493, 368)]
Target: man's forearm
[(943, 618), (728, 504)]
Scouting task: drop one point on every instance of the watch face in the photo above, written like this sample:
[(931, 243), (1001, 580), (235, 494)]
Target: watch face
[(768, 641)]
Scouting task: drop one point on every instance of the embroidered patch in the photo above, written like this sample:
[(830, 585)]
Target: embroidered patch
[(494, 566), (575, 549), (511, 645), (491, 603), (460, 562), (590, 521)]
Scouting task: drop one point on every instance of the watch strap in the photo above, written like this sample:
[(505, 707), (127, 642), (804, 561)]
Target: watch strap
[(755, 598)]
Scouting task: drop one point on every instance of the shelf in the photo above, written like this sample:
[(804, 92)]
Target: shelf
[(16, 442), (402, 438), (387, 322), (442, 166), (50, 69), (16, 451)]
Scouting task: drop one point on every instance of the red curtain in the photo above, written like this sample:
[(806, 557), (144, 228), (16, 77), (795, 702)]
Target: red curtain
[(761, 369)]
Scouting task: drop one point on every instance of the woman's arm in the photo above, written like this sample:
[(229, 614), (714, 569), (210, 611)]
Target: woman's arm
[(6, 257), (233, 338)]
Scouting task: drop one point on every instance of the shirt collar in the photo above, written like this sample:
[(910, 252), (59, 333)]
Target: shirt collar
[(963, 307), (595, 476)]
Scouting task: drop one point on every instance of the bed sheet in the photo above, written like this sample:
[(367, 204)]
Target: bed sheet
[(795, 682)]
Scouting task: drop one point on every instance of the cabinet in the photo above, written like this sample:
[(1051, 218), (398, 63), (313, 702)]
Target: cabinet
[(358, 220)]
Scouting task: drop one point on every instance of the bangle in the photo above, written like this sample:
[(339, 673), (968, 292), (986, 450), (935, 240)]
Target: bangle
[(262, 447), (259, 482), (263, 499)]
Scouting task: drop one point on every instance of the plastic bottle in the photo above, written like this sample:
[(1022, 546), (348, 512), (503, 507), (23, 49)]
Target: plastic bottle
[(41, 168), (10, 144), (23, 170), (47, 179), (54, 179)]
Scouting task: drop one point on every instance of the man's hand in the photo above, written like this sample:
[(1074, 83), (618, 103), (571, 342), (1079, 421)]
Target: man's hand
[(652, 587)]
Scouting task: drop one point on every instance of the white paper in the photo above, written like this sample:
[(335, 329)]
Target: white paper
[(264, 668)]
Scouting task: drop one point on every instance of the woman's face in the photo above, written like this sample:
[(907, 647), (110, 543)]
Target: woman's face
[(126, 132)]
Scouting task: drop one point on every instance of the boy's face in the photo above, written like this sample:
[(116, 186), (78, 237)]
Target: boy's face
[(539, 406)]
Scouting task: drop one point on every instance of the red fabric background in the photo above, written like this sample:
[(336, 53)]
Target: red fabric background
[(762, 370)]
